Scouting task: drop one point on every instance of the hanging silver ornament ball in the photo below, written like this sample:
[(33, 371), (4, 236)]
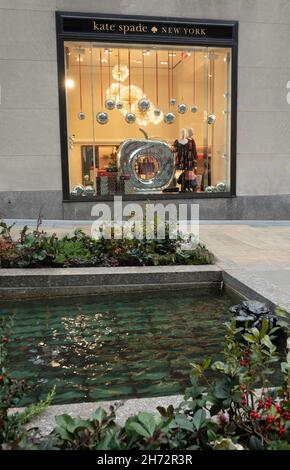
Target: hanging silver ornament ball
[(78, 190), (143, 104), (119, 105), (130, 118), (157, 112), (81, 116), (102, 117), (110, 104), (220, 187), (182, 108), (89, 190), (172, 101), (194, 108), (211, 119), (169, 118)]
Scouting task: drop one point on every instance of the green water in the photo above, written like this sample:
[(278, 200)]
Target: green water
[(113, 347)]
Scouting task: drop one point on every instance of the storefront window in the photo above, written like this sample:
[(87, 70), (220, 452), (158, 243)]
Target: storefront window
[(147, 119)]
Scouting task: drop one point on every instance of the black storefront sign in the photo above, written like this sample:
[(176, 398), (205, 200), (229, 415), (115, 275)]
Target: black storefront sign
[(150, 29), (153, 29)]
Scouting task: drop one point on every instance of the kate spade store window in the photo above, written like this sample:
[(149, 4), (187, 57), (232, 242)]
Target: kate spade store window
[(147, 119)]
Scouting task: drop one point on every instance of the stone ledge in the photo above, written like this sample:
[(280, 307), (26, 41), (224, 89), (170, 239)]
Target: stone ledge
[(32, 283)]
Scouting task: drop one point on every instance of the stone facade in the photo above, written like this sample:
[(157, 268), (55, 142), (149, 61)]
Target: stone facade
[(30, 162)]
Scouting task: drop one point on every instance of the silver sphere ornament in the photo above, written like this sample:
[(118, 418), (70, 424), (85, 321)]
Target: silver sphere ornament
[(172, 101), (157, 112), (102, 117), (78, 190), (74, 193), (194, 108), (130, 118), (169, 118), (81, 116), (110, 104), (89, 190), (119, 105), (220, 187), (182, 108), (143, 104), (211, 118), (209, 189)]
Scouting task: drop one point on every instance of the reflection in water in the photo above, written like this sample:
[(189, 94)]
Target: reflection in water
[(102, 348)]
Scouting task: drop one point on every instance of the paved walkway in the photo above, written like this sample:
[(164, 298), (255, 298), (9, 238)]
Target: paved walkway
[(257, 251)]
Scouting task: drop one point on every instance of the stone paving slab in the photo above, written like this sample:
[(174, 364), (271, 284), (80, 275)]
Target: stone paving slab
[(46, 421)]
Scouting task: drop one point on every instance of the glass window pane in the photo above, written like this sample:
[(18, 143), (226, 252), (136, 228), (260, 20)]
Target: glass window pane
[(147, 120)]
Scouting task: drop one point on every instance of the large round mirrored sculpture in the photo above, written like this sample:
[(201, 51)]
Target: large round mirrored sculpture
[(143, 104), (102, 117), (133, 153), (194, 108), (211, 118), (221, 187), (182, 108), (130, 118), (169, 118), (110, 104), (81, 116)]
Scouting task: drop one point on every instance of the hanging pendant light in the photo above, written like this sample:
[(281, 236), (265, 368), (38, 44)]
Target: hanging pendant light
[(102, 117), (193, 107), (81, 114), (182, 107), (169, 117), (156, 115), (211, 118), (130, 117), (172, 100), (110, 102)]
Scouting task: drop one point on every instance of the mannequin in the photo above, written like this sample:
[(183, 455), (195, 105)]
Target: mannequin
[(192, 146), (182, 137), (185, 154)]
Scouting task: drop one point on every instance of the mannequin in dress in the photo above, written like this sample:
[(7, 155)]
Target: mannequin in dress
[(192, 146), (185, 156)]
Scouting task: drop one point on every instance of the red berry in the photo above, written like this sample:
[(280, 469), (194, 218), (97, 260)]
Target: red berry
[(5, 340), (244, 402), (1, 378)]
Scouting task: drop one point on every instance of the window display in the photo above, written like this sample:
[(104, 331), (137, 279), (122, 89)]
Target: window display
[(147, 118)]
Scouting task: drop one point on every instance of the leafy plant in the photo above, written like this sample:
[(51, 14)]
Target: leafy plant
[(37, 248)]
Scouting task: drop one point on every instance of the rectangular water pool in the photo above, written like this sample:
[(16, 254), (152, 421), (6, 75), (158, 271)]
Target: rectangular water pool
[(115, 347)]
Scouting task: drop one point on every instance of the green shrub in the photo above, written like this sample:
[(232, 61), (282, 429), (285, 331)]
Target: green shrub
[(37, 249)]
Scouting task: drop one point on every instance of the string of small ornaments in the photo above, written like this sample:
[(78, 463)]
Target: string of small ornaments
[(135, 105)]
